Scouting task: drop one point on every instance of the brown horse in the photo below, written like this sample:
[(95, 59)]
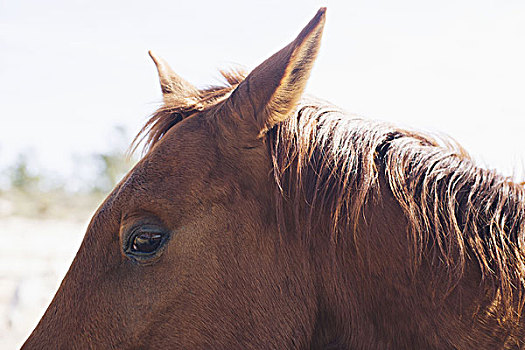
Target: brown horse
[(260, 220)]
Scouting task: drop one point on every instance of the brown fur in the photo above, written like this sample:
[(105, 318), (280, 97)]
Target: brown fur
[(292, 226)]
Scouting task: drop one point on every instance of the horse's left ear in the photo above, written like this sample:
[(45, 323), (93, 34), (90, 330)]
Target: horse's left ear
[(271, 91), (173, 86)]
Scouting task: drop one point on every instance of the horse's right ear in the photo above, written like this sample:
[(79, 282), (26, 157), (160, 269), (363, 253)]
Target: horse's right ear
[(173, 86), (271, 91)]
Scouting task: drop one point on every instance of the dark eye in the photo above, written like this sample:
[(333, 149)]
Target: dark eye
[(146, 242)]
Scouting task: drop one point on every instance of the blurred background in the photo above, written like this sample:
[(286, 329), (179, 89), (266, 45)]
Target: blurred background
[(76, 85)]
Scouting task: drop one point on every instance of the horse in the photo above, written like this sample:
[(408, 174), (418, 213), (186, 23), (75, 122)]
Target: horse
[(259, 218)]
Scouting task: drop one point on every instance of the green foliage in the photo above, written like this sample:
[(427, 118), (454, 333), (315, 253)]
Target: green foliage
[(114, 164), (20, 176), (27, 190)]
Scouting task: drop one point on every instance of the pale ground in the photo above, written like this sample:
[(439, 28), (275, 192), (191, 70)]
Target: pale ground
[(35, 254)]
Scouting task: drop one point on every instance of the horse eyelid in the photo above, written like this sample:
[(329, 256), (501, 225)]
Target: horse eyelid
[(140, 229)]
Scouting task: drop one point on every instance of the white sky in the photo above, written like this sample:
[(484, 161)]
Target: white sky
[(70, 70)]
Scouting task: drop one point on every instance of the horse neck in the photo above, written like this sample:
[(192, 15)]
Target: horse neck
[(380, 281), (371, 295)]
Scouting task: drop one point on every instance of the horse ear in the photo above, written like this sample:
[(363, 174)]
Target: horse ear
[(171, 84), (271, 91)]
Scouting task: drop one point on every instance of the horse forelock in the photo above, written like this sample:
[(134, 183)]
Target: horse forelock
[(176, 109)]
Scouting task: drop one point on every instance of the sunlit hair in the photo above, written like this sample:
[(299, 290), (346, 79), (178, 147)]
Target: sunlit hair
[(334, 162)]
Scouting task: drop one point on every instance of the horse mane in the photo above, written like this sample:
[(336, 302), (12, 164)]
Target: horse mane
[(327, 161), (454, 208)]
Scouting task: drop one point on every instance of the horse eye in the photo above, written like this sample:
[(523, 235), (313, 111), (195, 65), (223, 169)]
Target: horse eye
[(146, 242)]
